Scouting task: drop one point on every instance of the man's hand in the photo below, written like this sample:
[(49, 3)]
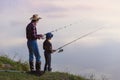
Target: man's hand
[(40, 36)]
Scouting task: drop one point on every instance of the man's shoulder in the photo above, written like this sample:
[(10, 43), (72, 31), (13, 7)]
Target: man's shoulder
[(30, 25)]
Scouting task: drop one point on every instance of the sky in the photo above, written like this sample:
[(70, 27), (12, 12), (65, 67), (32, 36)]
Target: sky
[(97, 53)]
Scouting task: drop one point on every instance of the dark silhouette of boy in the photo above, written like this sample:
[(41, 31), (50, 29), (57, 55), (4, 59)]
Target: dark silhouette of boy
[(47, 46)]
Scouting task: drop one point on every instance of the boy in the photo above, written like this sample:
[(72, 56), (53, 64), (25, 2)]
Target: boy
[(47, 46)]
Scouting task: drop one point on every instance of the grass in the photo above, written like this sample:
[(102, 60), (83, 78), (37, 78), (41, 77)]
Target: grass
[(46, 76), (9, 64)]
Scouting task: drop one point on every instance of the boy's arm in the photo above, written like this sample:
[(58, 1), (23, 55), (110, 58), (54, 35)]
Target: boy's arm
[(47, 46)]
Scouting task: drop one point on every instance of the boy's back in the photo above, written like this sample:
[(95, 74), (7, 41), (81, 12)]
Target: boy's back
[(47, 46)]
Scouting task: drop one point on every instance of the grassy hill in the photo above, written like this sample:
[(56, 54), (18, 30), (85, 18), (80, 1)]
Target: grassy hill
[(10, 65), (46, 76)]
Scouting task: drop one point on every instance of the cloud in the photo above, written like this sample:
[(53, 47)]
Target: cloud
[(52, 9), (10, 42), (49, 9), (83, 7), (63, 8), (56, 15)]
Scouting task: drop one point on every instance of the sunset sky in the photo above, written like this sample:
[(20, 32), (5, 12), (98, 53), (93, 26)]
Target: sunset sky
[(85, 15), (57, 13)]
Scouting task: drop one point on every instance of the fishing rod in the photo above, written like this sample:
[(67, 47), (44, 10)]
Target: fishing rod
[(60, 49)]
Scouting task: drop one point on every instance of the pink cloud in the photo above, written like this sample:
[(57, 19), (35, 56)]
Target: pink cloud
[(56, 15), (50, 8), (83, 7)]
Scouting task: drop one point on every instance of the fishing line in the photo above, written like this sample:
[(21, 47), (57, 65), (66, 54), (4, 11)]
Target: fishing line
[(61, 28)]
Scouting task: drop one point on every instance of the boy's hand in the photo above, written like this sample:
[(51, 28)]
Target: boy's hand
[(60, 50)]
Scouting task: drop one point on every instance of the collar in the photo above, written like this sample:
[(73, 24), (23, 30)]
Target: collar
[(34, 24)]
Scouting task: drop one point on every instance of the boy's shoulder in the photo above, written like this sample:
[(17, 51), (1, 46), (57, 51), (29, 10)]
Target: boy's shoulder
[(46, 42)]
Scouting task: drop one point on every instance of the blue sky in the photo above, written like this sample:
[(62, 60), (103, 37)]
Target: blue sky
[(89, 15)]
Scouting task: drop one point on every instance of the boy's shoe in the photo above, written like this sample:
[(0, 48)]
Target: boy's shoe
[(49, 69)]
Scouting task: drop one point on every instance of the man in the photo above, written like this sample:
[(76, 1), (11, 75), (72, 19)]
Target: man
[(32, 36), (47, 46)]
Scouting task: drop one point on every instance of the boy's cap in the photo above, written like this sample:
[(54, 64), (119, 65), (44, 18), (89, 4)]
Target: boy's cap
[(49, 35)]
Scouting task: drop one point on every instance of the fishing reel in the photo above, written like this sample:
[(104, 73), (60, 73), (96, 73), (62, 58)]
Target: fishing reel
[(60, 50)]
